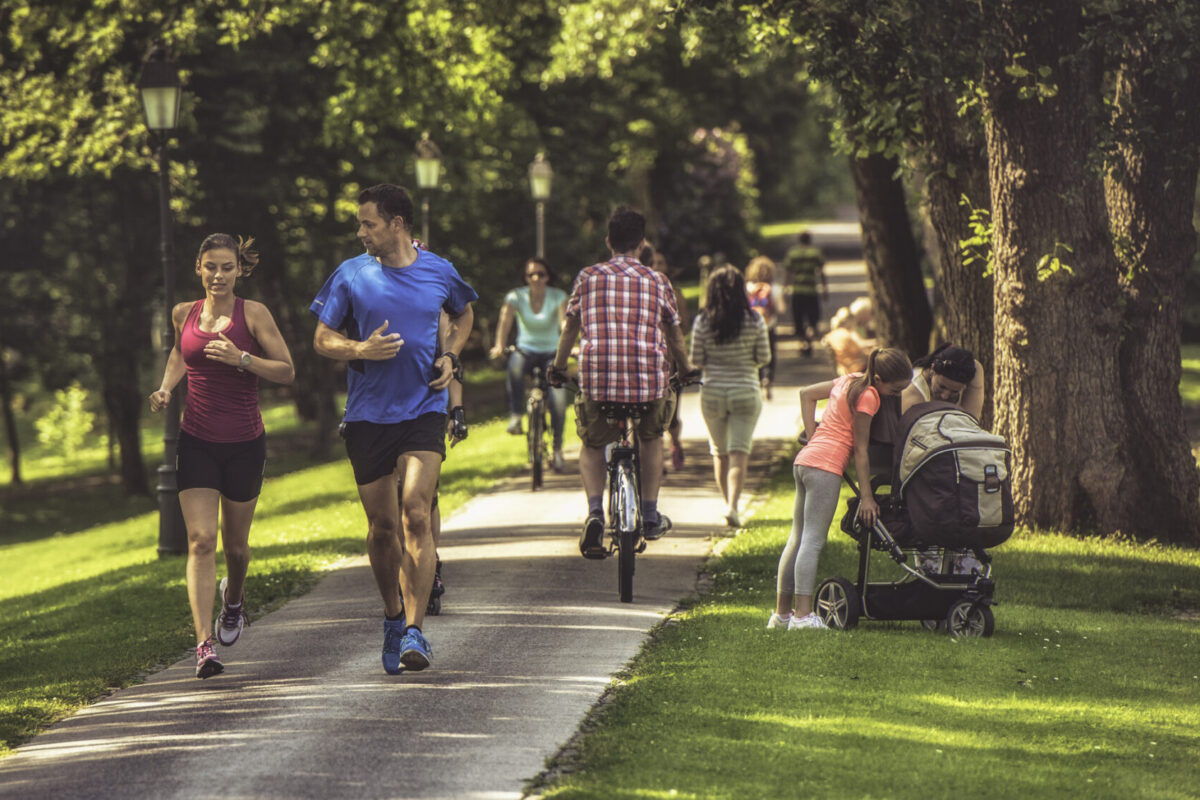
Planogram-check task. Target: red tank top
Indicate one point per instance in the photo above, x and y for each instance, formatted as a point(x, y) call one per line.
point(222, 402)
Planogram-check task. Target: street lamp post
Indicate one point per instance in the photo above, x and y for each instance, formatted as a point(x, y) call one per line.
point(540, 176)
point(429, 167)
point(160, 89)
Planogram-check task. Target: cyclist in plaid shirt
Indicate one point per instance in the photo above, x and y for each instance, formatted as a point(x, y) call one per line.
point(627, 315)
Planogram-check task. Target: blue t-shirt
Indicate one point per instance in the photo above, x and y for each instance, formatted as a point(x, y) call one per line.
point(360, 296)
point(536, 332)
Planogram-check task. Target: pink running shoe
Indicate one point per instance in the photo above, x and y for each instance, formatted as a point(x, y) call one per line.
point(207, 662)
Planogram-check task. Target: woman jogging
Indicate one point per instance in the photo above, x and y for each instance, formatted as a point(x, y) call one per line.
point(845, 429)
point(729, 343)
point(224, 344)
point(538, 308)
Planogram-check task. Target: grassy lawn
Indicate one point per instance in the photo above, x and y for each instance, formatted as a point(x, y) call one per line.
point(1089, 688)
point(89, 607)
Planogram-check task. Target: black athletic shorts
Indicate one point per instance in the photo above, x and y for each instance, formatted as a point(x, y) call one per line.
point(375, 448)
point(235, 469)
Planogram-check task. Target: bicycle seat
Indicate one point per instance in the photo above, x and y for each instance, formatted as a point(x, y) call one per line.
point(613, 410)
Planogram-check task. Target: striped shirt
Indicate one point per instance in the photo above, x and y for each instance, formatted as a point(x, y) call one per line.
point(621, 306)
point(733, 363)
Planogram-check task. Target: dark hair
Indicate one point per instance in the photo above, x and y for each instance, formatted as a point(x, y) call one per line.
point(390, 201)
point(626, 229)
point(541, 262)
point(646, 255)
point(887, 364)
point(805, 238)
point(247, 259)
point(726, 307)
point(950, 361)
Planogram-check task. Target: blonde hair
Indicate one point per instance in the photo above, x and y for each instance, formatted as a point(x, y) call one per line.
point(888, 364)
point(761, 270)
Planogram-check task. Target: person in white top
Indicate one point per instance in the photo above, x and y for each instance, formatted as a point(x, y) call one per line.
point(729, 343)
point(950, 374)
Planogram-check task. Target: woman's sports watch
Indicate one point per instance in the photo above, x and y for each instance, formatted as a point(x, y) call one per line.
point(244, 362)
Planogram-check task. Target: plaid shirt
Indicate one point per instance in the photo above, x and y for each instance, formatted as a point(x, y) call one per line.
point(621, 306)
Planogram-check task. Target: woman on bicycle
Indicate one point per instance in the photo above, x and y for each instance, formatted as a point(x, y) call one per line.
point(224, 344)
point(729, 343)
point(538, 309)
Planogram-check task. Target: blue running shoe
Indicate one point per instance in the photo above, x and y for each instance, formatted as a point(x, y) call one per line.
point(393, 641)
point(415, 652)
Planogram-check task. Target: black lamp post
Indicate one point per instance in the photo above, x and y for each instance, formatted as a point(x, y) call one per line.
point(429, 167)
point(540, 176)
point(160, 88)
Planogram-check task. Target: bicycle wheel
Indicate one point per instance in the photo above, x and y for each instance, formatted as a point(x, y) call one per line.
point(628, 523)
point(537, 442)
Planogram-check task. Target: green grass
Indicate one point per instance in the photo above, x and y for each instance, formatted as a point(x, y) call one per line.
point(1090, 687)
point(1189, 384)
point(773, 230)
point(76, 575)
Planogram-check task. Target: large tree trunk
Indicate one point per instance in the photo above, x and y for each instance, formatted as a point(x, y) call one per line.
point(1058, 398)
point(957, 168)
point(1151, 198)
point(10, 423)
point(897, 290)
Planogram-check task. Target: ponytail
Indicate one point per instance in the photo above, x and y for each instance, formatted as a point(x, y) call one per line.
point(887, 364)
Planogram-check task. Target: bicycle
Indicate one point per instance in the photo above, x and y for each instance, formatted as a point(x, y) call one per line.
point(626, 528)
point(536, 410)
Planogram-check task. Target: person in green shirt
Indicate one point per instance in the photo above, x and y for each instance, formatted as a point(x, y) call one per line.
point(805, 267)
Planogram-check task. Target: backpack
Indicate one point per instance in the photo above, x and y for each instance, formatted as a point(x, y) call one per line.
point(760, 300)
point(953, 478)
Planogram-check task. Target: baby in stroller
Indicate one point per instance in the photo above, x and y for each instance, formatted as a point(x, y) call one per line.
point(950, 500)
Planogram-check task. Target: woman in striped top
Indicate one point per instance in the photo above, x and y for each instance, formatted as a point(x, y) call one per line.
point(729, 342)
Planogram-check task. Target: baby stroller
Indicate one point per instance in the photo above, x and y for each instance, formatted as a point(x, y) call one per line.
point(950, 500)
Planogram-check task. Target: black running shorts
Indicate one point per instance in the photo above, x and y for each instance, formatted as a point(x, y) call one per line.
point(235, 469)
point(375, 448)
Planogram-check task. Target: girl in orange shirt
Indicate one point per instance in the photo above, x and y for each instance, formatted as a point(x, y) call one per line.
point(818, 471)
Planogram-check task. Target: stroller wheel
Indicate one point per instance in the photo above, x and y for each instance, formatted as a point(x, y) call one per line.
point(937, 625)
point(968, 618)
point(838, 603)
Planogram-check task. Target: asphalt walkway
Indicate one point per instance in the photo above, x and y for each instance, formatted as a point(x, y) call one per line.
point(529, 638)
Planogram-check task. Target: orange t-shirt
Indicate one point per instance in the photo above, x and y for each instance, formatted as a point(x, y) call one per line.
point(832, 444)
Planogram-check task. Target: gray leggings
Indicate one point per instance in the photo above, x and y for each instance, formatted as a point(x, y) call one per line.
point(817, 493)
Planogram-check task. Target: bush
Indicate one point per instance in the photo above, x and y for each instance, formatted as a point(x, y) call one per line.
point(63, 429)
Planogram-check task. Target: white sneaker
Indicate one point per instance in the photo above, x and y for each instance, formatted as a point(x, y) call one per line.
point(732, 519)
point(806, 622)
point(559, 464)
point(777, 623)
point(514, 425)
point(229, 623)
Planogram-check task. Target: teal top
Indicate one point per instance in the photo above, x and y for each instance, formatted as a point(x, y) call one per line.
point(536, 333)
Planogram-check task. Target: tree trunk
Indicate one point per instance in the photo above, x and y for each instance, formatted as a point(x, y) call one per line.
point(957, 168)
point(1151, 197)
point(897, 290)
point(1057, 324)
point(10, 423)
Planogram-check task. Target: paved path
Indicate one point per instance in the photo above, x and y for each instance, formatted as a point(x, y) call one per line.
point(530, 636)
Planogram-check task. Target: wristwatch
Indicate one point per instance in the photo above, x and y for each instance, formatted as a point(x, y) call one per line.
point(245, 362)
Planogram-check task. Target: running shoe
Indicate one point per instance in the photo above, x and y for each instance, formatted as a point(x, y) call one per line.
point(415, 652)
point(207, 661)
point(809, 621)
point(435, 594)
point(591, 541)
point(514, 425)
point(778, 623)
point(559, 464)
point(658, 529)
point(732, 519)
point(393, 640)
point(229, 623)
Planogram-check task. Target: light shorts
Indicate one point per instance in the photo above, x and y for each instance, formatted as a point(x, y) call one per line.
point(595, 431)
point(730, 414)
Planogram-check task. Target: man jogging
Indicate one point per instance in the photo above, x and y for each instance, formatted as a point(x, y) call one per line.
point(388, 302)
point(629, 320)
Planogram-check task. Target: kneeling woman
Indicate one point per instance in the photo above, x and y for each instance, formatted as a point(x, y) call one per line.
point(845, 428)
point(224, 344)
